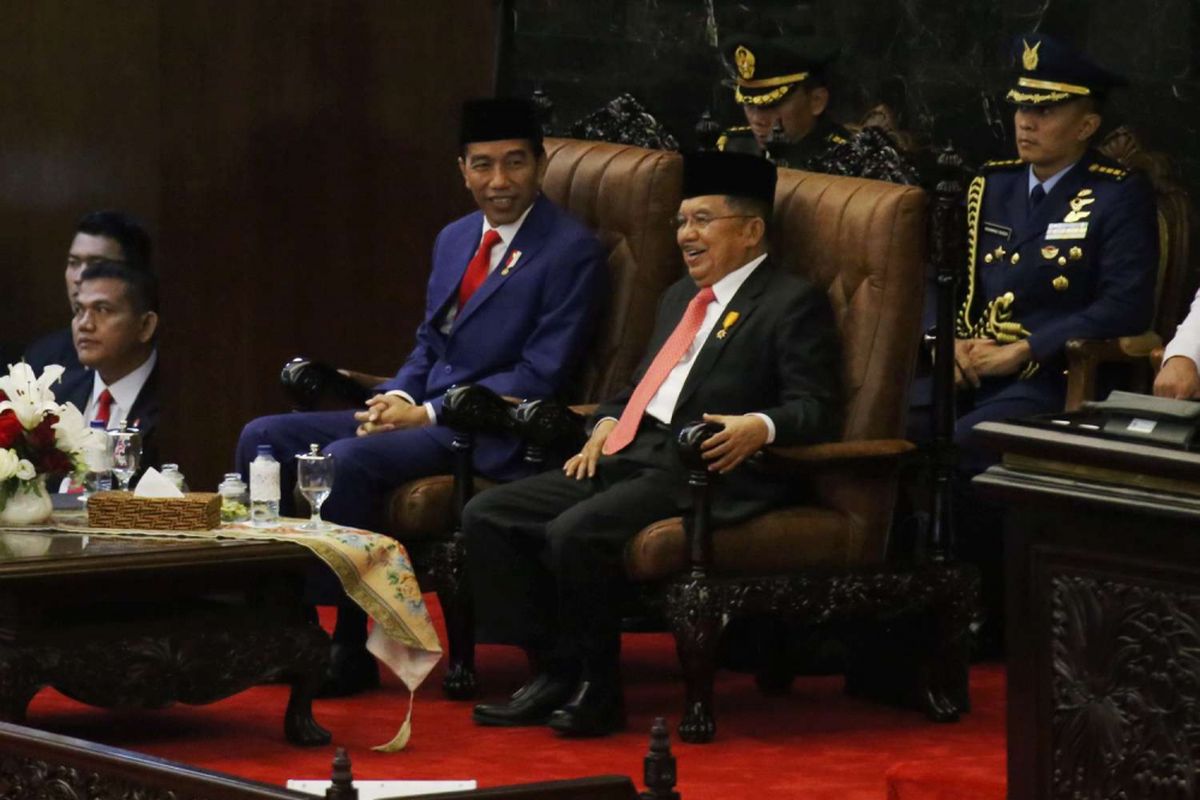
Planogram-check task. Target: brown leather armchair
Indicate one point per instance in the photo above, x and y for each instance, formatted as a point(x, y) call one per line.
point(627, 195)
point(1176, 279)
point(827, 559)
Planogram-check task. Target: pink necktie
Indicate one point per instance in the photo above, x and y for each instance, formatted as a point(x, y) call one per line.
point(477, 270)
point(673, 349)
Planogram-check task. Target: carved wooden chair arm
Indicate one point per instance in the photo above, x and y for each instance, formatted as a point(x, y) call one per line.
point(309, 383)
point(365, 379)
point(1084, 357)
point(550, 425)
point(840, 453)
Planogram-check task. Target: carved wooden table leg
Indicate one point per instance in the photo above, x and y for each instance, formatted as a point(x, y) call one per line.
point(450, 580)
point(20, 679)
point(695, 613)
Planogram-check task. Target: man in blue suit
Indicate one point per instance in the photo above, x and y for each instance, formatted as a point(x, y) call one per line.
point(1063, 244)
point(510, 305)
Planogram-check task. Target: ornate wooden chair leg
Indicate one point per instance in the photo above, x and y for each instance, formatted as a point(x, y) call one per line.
point(453, 587)
point(695, 605)
point(696, 621)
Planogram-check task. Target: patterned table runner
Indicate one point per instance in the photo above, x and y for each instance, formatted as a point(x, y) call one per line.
point(374, 570)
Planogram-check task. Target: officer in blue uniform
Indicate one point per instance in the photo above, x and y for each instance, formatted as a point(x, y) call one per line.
point(1063, 244)
point(782, 85)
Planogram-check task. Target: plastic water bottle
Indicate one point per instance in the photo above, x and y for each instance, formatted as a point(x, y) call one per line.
point(98, 477)
point(264, 489)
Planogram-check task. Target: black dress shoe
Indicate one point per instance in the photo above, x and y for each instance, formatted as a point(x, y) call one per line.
point(352, 670)
point(596, 709)
point(529, 705)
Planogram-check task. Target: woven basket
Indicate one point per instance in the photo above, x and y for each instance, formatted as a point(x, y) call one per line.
point(192, 512)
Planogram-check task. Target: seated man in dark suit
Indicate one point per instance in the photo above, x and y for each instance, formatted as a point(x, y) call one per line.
point(510, 304)
point(99, 236)
point(115, 325)
point(737, 342)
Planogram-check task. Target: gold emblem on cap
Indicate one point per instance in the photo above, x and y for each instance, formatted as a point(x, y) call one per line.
point(1029, 59)
point(745, 62)
point(1049, 252)
point(1076, 253)
point(1060, 283)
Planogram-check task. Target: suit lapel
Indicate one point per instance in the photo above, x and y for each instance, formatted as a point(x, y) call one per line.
point(742, 304)
point(79, 390)
point(459, 258)
point(145, 406)
point(523, 249)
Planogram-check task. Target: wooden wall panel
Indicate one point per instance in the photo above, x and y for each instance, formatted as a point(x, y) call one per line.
point(295, 160)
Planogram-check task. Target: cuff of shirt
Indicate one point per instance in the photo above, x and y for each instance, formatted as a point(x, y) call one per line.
point(428, 406)
point(770, 425)
point(1175, 347)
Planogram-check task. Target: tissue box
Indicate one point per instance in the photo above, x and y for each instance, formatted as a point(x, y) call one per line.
point(192, 512)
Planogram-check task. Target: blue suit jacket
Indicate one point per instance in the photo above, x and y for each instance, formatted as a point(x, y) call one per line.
point(522, 332)
point(1082, 264)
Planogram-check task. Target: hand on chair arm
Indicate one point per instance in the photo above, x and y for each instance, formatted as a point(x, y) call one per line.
point(1178, 379)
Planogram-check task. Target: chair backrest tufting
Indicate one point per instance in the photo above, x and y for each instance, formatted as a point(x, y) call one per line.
point(627, 195)
point(865, 242)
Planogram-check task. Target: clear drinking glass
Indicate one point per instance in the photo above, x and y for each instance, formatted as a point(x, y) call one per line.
point(314, 478)
point(125, 453)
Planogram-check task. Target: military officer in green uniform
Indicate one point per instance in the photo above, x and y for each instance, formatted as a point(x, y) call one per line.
point(782, 85)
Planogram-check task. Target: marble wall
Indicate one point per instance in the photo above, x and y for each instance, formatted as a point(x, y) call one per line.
point(937, 62)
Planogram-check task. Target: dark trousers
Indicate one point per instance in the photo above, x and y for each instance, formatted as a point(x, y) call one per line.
point(365, 470)
point(545, 554)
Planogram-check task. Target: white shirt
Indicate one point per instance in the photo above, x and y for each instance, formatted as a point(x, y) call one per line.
point(1050, 182)
point(1186, 341)
point(124, 393)
point(662, 404)
point(507, 233)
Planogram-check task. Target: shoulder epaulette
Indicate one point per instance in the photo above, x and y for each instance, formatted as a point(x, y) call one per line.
point(1116, 173)
point(1006, 163)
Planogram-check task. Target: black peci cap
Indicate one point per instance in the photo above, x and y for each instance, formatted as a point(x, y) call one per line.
point(733, 174)
point(763, 70)
point(493, 119)
point(1048, 72)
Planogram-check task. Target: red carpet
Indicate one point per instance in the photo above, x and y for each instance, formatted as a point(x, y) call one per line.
point(814, 743)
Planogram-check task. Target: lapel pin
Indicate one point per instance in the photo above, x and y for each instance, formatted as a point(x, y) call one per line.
point(727, 323)
point(512, 262)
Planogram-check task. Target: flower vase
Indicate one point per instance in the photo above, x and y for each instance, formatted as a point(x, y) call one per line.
point(29, 505)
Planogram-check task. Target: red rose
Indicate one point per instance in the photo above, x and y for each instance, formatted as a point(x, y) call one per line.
point(54, 462)
point(10, 429)
point(42, 437)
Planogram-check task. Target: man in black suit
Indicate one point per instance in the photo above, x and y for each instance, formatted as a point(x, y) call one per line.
point(738, 343)
point(99, 236)
point(114, 326)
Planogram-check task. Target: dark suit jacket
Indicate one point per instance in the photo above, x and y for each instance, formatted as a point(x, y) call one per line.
point(781, 357)
point(55, 348)
point(522, 331)
point(144, 414)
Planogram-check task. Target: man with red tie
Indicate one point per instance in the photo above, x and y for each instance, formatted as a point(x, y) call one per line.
point(737, 342)
point(510, 304)
point(114, 327)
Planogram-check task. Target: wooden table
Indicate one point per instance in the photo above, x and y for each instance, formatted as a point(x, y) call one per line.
point(124, 622)
point(1102, 562)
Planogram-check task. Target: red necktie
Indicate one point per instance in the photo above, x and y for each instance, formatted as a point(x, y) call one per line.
point(104, 407)
point(673, 349)
point(477, 270)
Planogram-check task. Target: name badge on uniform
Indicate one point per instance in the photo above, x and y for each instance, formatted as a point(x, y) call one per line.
point(1066, 230)
point(997, 229)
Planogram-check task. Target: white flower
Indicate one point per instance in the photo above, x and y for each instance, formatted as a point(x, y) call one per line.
point(71, 433)
point(25, 470)
point(8, 464)
point(29, 396)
